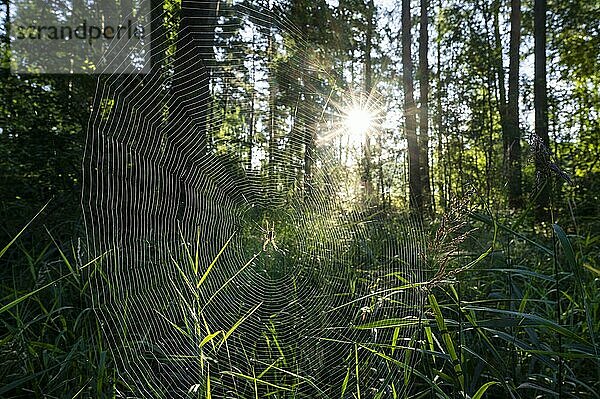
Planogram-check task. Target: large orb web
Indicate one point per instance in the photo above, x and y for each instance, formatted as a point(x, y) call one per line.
point(230, 261)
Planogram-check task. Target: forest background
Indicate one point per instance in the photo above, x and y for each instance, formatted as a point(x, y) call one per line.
point(483, 121)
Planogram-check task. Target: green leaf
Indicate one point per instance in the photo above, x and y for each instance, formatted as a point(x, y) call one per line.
point(256, 380)
point(345, 383)
point(566, 245)
point(483, 388)
point(439, 318)
point(205, 275)
point(3, 251)
point(208, 396)
point(592, 269)
point(570, 256)
point(389, 323)
point(209, 338)
point(240, 321)
point(29, 294)
point(490, 222)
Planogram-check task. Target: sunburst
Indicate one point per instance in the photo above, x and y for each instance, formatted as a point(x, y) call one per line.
point(356, 118)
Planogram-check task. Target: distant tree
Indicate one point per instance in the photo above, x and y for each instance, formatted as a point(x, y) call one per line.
point(509, 110)
point(512, 131)
point(272, 125)
point(410, 127)
point(541, 104)
point(5, 40)
point(299, 82)
point(157, 27)
point(194, 48)
point(368, 87)
point(424, 103)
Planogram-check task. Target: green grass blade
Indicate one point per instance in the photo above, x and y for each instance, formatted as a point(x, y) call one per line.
point(570, 256)
point(209, 338)
point(439, 318)
point(212, 264)
point(566, 246)
point(3, 251)
point(345, 383)
point(256, 380)
point(481, 391)
point(490, 222)
point(240, 321)
point(30, 294)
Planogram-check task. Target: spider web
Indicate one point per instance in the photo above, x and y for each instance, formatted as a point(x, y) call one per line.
point(240, 277)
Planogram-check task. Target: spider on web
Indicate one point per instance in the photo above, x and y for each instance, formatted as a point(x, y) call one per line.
point(269, 236)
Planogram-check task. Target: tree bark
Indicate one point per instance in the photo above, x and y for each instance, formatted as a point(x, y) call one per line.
point(368, 87)
point(441, 160)
point(414, 175)
point(540, 102)
point(193, 56)
point(5, 61)
point(368, 46)
point(252, 122)
point(424, 103)
point(501, 76)
point(158, 38)
point(272, 107)
point(513, 132)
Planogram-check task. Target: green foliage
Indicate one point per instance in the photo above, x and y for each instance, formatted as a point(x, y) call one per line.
point(492, 329)
point(52, 343)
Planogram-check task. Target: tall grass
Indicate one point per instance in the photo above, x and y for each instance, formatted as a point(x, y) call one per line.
point(490, 326)
point(51, 343)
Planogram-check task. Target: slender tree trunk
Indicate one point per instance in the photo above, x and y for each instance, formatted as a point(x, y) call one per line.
point(252, 123)
point(272, 107)
point(367, 179)
point(498, 62)
point(513, 149)
point(272, 126)
point(424, 103)
point(158, 39)
point(441, 163)
point(414, 175)
point(540, 101)
point(193, 56)
point(5, 61)
point(191, 99)
point(501, 77)
point(489, 96)
point(368, 46)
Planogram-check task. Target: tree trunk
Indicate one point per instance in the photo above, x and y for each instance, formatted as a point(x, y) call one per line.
point(441, 161)
point(368, 46)
point(414, 175)
point(272, 107)
point(191, 98)
point(158, 39)
point(501, 79)
point(252, 122)
point(513, 133)
point(5, 61)
point(540, 102)
point(192, 59)
point(368, 86)
point(309, 154)
point(424, 103)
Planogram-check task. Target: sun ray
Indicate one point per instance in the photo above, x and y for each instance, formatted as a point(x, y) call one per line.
point(357, 115)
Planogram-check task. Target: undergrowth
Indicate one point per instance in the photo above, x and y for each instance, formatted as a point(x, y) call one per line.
point(509, 312)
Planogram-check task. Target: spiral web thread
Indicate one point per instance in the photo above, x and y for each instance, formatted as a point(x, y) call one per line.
point(240, 278)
